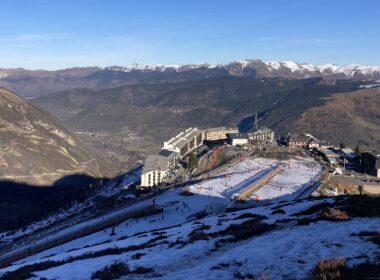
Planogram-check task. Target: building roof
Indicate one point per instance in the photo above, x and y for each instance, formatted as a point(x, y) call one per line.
point(312, 137)
point(155, 162)
point(299, 138)
point(167, 153)
point(374, 154)
point(183, 137)
point(328, 153)
point(347, 151)
point(347, 180)
point(217, 129)
point(262, 130)
point(351, 156)
point(238, 135)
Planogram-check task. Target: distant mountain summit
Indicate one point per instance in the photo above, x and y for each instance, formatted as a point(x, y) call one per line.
point(34, 83)
point(36, 149)
point(249, 67)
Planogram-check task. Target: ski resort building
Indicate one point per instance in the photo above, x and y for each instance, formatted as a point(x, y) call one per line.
point(371, 163)
point(313, 142)
point(158, 167)
point(237, 139)
point(218, 133)
point(185, 142)
point(263, 134)
point(326, 154)
point(298, 141)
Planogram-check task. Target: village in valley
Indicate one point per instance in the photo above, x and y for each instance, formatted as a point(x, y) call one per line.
point(259, 164)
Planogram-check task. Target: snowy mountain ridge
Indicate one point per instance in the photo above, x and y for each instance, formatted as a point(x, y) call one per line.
point(349, 71)
point(34, 83)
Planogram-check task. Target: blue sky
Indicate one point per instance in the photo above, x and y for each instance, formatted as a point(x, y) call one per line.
point(53, 34)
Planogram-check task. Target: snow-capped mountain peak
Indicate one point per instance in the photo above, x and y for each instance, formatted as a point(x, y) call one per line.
point(286, 69)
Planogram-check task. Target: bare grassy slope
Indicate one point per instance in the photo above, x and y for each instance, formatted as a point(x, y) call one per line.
point(349, 118)
point(35, 149)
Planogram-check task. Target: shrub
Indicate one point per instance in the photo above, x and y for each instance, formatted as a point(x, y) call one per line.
point(26, 272)
point(313, 209)
point(249, 276)
point(114, 271)
point(332, 269)
point(278, 211)
point(142, 270)
point(335, 214)
point(246, 230)
point(337, 269)
point(250, 215)
point(137, 256)
point(118, 269)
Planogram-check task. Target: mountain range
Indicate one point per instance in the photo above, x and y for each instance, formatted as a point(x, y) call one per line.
point(34, 83)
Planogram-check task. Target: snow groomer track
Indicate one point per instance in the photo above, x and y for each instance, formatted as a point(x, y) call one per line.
point(254, 185)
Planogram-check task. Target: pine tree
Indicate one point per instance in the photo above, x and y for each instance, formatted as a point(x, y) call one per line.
point(193, 161)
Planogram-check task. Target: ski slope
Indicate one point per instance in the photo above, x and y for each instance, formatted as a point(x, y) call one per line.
point(286, 252)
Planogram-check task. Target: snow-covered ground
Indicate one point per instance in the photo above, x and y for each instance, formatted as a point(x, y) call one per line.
point(212, 195)
point(298, 174)
point(163, 241)
point(108, 189)
point(286, 252)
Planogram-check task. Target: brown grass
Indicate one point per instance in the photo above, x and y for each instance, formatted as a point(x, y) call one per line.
point(337, 269)
point(332, 269)
point(335, 214)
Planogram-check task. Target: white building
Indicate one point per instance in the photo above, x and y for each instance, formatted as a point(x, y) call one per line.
point(263, 134)
point(237, 139)
point(157, 168)
point(185, 142)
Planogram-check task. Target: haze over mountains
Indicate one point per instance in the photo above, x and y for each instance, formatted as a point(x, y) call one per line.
point(34, 83)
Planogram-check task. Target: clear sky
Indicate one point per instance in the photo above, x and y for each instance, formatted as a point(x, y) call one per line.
point(53, 34)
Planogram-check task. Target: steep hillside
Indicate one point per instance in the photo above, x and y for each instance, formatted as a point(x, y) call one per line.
point(156, 112)
point(348, 118)
point(40, 82)
point(35, 149)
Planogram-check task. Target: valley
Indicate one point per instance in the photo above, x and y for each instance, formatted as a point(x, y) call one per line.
point(152, 112)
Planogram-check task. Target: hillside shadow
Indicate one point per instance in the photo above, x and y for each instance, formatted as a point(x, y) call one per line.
point(247, 123)
point(21, 203)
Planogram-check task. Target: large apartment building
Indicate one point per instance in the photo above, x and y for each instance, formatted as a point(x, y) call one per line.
point(218, 133)
point(185, 142)
point(158, 167)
